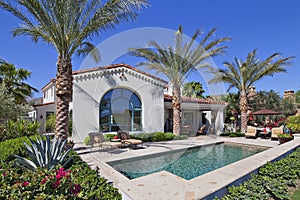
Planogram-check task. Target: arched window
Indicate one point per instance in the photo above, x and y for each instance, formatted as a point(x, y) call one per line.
point(120, 109)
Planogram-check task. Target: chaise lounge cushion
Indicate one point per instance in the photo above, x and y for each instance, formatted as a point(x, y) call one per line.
point(251, 131)
point(97, 139)
point(276, 131)
point(125, 138)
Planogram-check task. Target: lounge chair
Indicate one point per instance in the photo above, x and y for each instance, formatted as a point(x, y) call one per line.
point(276, 131)
point(97, 139)
point(202, 130)
point(125, 139)
point(251, 131)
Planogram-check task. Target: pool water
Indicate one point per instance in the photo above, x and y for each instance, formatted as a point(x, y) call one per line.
point(188, 163)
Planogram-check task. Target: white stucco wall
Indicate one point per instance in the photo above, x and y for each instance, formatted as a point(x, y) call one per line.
point(41, 115)
point(90, 86)
point(49, 94)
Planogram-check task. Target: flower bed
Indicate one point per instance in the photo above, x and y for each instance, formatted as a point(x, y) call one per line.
point(76, 181)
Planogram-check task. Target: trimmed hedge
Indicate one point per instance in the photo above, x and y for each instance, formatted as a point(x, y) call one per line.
point(271, 182)
point(157, 137)
point(233, 134)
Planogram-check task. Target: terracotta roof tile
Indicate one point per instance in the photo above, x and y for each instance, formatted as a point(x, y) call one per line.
point(43, 104)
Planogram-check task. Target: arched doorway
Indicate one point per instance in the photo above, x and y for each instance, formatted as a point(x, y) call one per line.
point(120, 109)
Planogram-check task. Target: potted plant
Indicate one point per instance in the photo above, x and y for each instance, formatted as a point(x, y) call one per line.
point(285, 137)
point(293, 123)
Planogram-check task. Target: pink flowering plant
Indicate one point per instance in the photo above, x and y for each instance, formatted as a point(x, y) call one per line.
point(57, 184)
point(61, 182)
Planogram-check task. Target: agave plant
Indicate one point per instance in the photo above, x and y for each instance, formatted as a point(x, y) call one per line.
point(44, 154)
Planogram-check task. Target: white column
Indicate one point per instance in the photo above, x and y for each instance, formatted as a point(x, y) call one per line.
point(219, 121)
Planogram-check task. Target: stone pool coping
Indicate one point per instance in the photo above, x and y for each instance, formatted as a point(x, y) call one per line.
point(164, 185)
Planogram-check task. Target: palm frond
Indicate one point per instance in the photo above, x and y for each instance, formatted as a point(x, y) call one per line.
point(86, 48)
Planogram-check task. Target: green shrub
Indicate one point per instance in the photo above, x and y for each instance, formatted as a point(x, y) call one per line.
point(13, 146)
point(169, 136)
point(108, 137)
point(159, 136)
point(180, 137)
point(153, 137)
point(225, 134)
point(233, 134)
point(236, 134)
point(87, 141)
point(271, 182)
point(145, 137)
point(19, 128)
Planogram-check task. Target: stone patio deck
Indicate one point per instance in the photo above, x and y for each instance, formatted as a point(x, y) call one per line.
point(164, 185)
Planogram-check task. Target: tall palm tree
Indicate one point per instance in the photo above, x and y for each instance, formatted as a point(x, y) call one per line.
point(14, 81)
point(68, 25)
point(178, 62)
point(243, 74)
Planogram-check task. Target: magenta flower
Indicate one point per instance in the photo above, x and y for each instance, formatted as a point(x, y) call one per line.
point(44, 180)
point(25, 184)
point(55, 184)
point(58, 176)
point(76, 189)
point(4, 174)
point(61, 173)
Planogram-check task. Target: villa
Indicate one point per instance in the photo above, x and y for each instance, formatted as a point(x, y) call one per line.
point(121, 97)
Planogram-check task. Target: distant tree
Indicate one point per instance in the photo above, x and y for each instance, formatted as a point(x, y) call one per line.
point(193, 89)
point(8, 108)
point(179, 61)
point(288, 107)
point(242, 75)
point(14, 80)
point(266, 100)
point(68, 26)
point(297, 96)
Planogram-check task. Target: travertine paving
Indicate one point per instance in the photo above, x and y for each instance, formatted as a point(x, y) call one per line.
point(164, 185)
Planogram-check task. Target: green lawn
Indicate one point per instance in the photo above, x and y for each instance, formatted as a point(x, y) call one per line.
point(296, 195)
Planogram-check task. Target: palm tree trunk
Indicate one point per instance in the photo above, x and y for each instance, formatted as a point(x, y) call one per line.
point(243, 108)
point(63, 95)
point(176, 110)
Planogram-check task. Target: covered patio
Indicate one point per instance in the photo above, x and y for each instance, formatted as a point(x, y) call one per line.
point(195, 113)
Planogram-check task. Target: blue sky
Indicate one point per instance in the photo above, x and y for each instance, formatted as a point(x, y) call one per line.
point(269, 26)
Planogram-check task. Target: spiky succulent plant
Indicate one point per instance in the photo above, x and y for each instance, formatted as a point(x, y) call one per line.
point(44, 154)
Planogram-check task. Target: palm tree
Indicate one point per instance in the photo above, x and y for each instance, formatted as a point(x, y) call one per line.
point(179, 62)
point(14, 81)
point(232, 108)
point(193, 89)
point(67, 25)
point(243, 74)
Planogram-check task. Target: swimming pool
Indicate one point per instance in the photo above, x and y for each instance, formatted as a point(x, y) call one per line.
point(186, 163)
